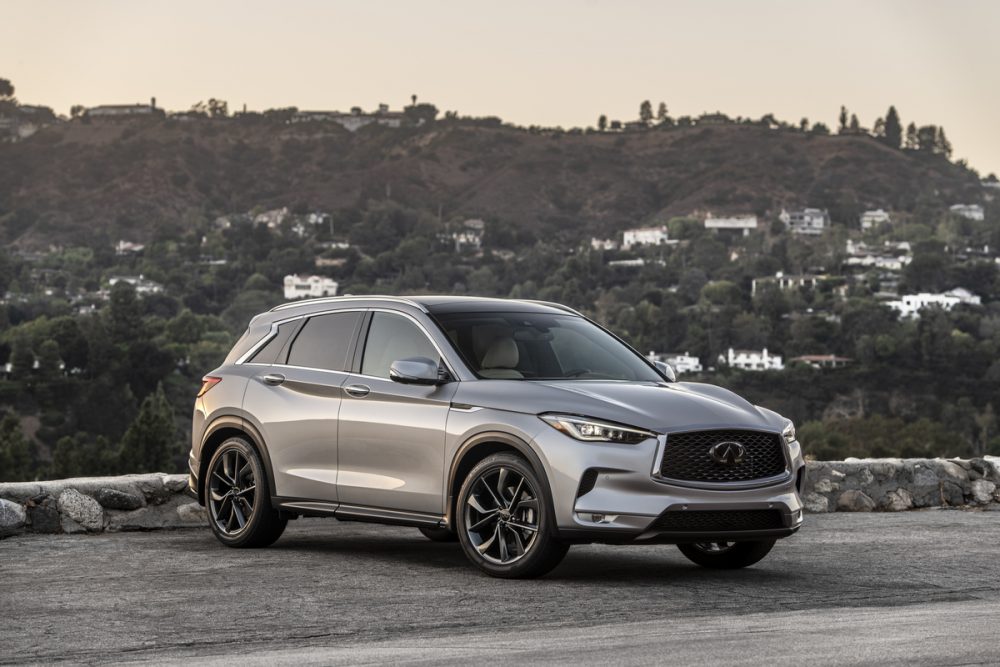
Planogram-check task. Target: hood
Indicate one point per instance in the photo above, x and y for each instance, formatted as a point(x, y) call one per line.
point(660, 407)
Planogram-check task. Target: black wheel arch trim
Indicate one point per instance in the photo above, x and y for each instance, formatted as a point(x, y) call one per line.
point(516, 443)
point(256, 441)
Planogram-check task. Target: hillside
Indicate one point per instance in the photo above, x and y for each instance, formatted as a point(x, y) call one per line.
point(128, 179)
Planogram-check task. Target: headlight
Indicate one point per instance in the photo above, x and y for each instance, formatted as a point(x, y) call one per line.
point(594, 430)
point(789, 433)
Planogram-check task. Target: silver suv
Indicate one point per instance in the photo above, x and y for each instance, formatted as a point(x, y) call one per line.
point(516, 428)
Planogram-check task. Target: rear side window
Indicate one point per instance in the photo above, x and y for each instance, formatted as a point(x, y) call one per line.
point(324, 341)
point(270, 353)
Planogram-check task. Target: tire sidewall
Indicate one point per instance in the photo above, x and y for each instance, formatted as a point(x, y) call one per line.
point(540, 550)
point(262, 503)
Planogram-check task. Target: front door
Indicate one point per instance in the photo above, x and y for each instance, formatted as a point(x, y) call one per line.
point(392, 435)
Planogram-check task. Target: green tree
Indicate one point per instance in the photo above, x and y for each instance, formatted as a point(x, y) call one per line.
point(22, 359)
point(893, 128)
point(124, 314)
point(82, 455)
point(855, 125)
point(646, 112)
point(6, 89)
point(48, 360)
point(15, 452)
point(941, 143)
point(911, 137)
point(661, 112)
point(927, 138)
point(843, 120)
point(150, 444)
point(602, 123)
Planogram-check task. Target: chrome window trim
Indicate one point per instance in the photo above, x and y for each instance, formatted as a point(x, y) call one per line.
point(347, 298)
point(661, 450)
point(274, 331)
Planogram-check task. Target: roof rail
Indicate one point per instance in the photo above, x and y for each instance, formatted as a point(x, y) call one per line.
point(336, 299)
point(553, 304)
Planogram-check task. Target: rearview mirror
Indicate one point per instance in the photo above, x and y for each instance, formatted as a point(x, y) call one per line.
point(415, 370)
point(666, 369)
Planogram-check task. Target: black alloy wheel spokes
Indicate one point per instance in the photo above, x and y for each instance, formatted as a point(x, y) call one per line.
point(232, 492)
point(501, 515)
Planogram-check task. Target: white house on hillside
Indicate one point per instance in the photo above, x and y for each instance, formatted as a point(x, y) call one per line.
point(644, 236)
point(752, 360)
point(354, 120)
point(970, 211)
point(806, 220)
point(681, 363)
point(141, 284)
point(298, 287)
point(739, 223)
point(785, 282)
point(603, 244)
point(874, 218)
point(910, 305)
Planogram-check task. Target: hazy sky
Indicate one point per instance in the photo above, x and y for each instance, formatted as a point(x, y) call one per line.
point(547, 63)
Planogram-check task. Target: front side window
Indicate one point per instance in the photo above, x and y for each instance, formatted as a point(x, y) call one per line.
point(324, 341)
point(533, 346)
point(392, 337)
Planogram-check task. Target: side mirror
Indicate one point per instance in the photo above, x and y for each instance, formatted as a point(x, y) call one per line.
point(415, 370)
point(666, 369)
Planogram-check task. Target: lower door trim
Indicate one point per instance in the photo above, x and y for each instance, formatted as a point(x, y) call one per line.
point(358, 513)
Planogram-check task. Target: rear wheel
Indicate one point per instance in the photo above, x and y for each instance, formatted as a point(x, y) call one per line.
point(237, 498)
point(726, 555)
point(504, 521)
point(439, 534)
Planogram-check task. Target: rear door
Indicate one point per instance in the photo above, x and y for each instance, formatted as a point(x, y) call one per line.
point(392, 435)
point(296, 402)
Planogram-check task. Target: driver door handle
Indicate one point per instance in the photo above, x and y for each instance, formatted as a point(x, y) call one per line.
point(358, 390)
point(273, 379)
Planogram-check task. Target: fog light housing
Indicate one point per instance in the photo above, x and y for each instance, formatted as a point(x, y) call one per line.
point(593, 517)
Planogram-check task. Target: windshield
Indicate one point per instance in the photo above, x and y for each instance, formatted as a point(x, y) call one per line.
point(532, 346)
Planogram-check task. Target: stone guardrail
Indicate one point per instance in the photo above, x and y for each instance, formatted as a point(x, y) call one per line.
point(157, 501)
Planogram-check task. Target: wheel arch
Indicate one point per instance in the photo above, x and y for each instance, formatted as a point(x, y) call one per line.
point(480, 446)
point(221, 429)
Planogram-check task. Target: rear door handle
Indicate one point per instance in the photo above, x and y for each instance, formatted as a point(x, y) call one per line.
point(273, 378)
point(357, 390)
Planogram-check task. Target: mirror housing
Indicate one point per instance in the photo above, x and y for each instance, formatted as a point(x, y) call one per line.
point(415, 370)
point(666, 369)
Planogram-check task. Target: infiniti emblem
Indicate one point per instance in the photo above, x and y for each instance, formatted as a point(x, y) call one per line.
point(728, 453)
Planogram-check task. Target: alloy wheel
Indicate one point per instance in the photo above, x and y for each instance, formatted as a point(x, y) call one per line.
point(501, 515)
point(232, 492)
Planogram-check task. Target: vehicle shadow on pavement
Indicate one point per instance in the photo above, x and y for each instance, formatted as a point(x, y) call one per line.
point(583, 563)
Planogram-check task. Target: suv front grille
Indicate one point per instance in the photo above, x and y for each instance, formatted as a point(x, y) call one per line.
point(688, 457)
point(717, 521)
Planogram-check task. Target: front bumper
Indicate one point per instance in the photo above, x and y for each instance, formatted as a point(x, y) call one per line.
point(605, 492)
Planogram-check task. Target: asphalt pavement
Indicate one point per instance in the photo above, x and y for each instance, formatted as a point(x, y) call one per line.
point(907, 588)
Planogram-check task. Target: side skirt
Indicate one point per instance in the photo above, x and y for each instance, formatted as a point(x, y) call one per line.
point(342, 512)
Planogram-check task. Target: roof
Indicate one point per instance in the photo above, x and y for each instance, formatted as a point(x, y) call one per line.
point(430, 304)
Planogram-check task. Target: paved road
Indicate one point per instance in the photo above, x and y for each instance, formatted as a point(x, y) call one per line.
point(912, 588)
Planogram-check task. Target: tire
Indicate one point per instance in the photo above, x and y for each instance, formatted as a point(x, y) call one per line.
point(439, 534)
point(504, 519)
point(237, 498)
point(726, 555)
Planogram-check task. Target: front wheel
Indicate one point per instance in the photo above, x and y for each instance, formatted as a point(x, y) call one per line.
point(726, 555)
point(504, 521)
point(237, 498)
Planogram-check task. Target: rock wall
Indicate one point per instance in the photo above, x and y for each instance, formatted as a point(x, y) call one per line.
point(95, 504)
point(157, 501)
point(893, 485)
